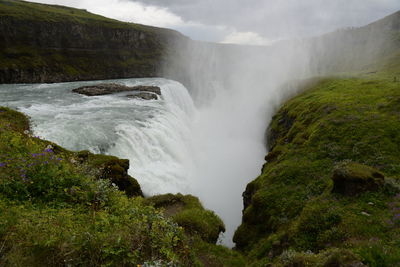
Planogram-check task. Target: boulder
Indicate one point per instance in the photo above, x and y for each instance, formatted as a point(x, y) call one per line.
point(351, 179)
point(111, 88)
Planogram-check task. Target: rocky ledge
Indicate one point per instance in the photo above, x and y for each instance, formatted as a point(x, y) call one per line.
point(144, 91)
point(144, 96)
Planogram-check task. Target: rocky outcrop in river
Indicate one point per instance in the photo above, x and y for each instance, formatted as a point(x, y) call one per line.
point(142, 91)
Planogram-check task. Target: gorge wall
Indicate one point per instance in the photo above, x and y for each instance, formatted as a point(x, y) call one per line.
point(48, 43)
point(44, 43)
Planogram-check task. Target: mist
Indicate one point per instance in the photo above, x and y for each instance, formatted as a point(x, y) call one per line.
point(237, 89)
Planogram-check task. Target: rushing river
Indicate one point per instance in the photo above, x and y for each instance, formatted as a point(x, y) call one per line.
point(172, 146)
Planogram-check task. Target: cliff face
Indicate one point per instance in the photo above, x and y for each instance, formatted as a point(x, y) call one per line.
point(41, 43)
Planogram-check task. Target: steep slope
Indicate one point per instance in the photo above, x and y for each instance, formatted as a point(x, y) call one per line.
point(355, 49)
point(48, 43)
point(321, 199)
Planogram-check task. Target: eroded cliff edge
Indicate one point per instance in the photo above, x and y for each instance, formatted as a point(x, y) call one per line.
point(47, 43)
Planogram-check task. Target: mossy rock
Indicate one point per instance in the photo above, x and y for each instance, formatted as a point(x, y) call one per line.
point(351, 179)
point(188, 212)
point(113, 169)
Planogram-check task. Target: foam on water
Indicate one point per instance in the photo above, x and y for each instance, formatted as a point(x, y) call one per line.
point(153, 135)
point(172, 146)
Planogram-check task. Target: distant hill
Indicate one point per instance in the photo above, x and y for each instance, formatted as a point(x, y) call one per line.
point(357, 48)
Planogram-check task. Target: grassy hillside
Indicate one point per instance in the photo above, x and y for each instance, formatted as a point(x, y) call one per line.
point(339, 127)
point(63, 208)
point(49, 43)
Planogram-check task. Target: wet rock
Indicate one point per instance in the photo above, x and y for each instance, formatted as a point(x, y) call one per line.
point(111, 88)
point(144, 96)
point(352, 179)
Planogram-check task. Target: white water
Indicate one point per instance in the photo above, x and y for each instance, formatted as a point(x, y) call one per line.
point(154, 135)
point(172, 146)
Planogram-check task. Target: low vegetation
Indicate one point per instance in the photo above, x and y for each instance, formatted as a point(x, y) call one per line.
point(64, 208)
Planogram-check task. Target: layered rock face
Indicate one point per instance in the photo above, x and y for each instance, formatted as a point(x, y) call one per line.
point(54, 44)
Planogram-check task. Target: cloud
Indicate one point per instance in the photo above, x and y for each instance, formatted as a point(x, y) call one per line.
point(248, 38)
point(280, 19)
point(125, 11)
point(238, 20)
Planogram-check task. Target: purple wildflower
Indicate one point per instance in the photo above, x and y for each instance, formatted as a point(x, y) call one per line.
point(2, 164)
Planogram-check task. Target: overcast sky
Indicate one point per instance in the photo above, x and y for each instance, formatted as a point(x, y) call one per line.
point(241, 21)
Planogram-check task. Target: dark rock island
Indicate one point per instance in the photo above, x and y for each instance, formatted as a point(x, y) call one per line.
point(141, 91)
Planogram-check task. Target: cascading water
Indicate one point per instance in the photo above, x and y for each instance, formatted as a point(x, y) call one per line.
point(236, 90)
point(211, 151)
point(154, 135)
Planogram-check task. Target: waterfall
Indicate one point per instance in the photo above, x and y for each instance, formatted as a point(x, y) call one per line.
point(206, 139)
point(154, 135)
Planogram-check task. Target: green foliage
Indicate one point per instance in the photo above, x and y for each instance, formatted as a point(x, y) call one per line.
point(331, 257)
point(126, 234)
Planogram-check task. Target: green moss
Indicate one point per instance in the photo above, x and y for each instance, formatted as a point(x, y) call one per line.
point(187, 211)
point(338, 121)
point(212, 255)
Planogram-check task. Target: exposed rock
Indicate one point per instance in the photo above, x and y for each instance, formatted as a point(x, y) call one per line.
point(144, 95)
point(351, 179)
point(274, 132)
point(247, 195)
point(113, 169)
point(111, 88)
point(76, 45)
